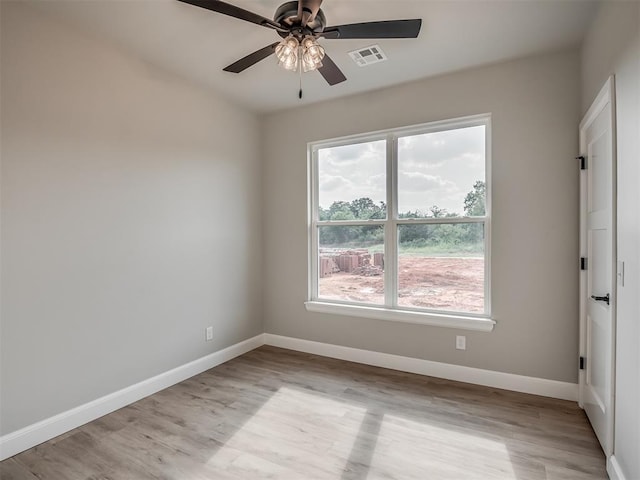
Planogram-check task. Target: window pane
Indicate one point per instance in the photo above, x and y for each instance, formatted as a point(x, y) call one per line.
point(442, 174)
point(441, 267)
point(351, 263)
point(352, 181)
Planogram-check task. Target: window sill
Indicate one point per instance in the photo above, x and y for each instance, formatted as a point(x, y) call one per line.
point(481, 324)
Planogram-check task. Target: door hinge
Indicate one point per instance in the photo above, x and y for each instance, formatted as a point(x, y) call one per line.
point(583, 363)
point(583, 263)
point(583, 162)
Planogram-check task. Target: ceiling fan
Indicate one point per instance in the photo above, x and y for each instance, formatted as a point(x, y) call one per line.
point(300, 24)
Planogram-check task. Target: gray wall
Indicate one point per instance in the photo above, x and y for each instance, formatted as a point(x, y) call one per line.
point(535, 108)
point(130, 219)
point(612, 46)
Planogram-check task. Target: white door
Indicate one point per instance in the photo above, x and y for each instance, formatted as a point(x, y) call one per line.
point(597, 285)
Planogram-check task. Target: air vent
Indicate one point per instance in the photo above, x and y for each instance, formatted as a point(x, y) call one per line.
point(368, 55)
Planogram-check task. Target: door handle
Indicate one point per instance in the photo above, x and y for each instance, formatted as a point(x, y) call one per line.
point(601, 299)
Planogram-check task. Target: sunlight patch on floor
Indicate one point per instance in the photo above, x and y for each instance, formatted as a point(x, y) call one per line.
point(420, 447)
point(292, 432)
point(298, 432)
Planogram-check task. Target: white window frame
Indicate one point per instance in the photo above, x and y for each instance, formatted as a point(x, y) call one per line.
point(391, 311)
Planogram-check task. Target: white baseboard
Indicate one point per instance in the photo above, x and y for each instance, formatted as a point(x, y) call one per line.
point(613, 469)
point(49, 428)
point(490, 378)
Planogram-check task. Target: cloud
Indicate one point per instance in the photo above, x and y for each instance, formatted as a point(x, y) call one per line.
point(378, 181)
point(330, 183)
point(420, 182)
point(352, 171)
point(361, 155)
point(419, 191)
point(433, 150)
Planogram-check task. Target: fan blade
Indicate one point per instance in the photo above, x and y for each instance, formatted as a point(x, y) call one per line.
point(383, 29)
point(251, 59)
point(331, 35)
point(330, 71)
point(307, 10)
point(233, 11)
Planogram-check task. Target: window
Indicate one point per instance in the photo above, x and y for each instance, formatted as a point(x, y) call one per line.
point(399, 224)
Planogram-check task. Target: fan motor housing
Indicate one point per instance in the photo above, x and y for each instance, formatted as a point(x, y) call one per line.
point(287, 15)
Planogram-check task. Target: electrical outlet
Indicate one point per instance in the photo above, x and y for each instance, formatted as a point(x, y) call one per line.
point(209, 334)
point(461, 342)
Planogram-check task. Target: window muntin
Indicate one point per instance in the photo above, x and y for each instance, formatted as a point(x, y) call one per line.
point(399, 219)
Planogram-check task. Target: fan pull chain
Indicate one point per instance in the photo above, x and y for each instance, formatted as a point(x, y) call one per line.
point(300, 92)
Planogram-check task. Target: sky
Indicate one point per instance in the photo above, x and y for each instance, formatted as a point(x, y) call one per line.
point(437, 168)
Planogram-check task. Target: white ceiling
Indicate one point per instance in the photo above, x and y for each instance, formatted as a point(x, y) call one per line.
point(456, 34)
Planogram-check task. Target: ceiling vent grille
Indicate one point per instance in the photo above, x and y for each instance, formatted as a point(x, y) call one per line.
point(368, 55)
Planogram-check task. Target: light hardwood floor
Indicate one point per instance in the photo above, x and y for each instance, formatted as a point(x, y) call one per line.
point(275, 413)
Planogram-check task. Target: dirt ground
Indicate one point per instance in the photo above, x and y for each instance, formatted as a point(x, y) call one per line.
point(441, 283)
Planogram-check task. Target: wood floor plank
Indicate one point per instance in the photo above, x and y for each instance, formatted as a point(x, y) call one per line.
point(275, 413)
point(11, 469)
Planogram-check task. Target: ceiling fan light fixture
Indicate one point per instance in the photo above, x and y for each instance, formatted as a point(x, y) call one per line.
point(293, 54)
point(287, 53)
point(312, 54)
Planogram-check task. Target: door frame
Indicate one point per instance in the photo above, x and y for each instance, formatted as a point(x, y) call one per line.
point(606, 95)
